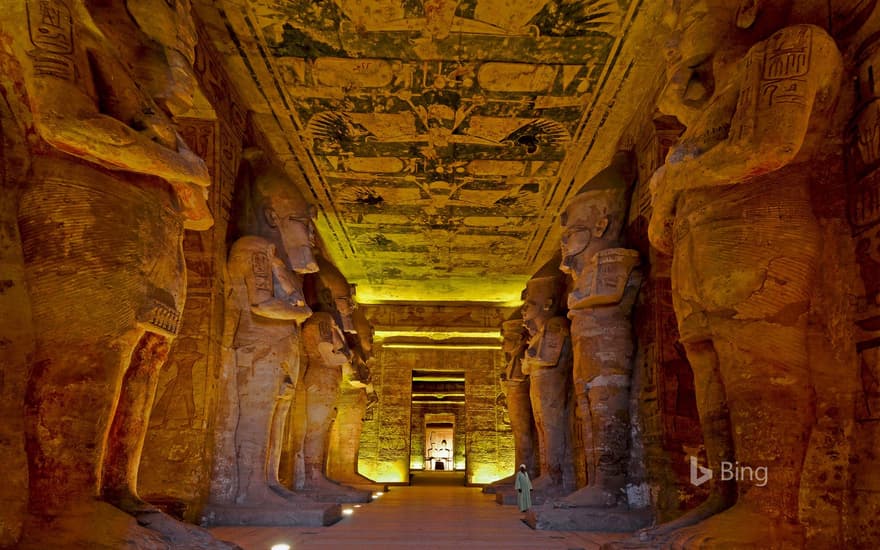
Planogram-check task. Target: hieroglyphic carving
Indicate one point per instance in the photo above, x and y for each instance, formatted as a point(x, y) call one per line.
point(50, 26)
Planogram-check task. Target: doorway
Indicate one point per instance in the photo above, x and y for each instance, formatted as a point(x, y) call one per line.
point(439, 439)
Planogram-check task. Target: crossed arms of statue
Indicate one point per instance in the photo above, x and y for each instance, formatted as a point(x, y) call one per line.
point(86, 104)
point(757, 124)
point(273, 290)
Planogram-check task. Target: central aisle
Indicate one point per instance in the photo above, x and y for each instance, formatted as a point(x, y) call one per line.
point(435, 512)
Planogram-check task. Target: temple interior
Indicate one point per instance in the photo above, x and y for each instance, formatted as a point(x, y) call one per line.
point(613, 266)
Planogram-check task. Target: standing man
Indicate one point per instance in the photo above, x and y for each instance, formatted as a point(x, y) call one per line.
point(523, 489)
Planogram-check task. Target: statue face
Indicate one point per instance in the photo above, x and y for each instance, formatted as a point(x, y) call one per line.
point(700, 29)
point(537, 304)
point(345, 306)
point(575, 240)
point(512, 339)
point(167, 72)
point(297, 236)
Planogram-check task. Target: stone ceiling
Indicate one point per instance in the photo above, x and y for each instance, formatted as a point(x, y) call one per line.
point(439, 138)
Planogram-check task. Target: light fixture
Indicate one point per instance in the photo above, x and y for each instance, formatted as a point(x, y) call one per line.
point(281, 546)
point(347, 511)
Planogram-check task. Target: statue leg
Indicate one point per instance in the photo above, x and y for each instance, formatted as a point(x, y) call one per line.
point(553, 396)
point(717, 438)
point(522, 423)
point(540, 421)
point(765, 374)
point(602, 382)
point(128, 429)
point(322, 390)
point(342, 464)
point(257, 386)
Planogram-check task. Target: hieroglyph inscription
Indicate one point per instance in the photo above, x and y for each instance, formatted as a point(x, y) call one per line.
point(50, 27)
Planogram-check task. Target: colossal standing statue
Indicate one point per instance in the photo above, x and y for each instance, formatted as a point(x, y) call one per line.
point(548, 362)
point(265, 306)
point(328, 355)
point(733, 204)
point(111, 189)
point(599, 306)
point(515, 386)
point(357, 396)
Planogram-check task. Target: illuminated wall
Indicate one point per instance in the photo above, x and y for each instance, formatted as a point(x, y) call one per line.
point(483, 441)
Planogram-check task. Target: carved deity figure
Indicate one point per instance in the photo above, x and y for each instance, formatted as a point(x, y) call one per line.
point(732, 203)
point(357, 396)
point(266, 306)
point(515, 386)
point(101, 220)
point(547, 362)
point(328, 357)
point(599, 306)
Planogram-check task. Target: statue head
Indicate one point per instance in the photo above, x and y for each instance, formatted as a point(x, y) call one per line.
point(512, 333)
point(542, 296)
point(335, 294)
point(365, 332)
point(158, 38)
point(170, 24)
point(595, 217)
point(274, 208)
point(707, 35)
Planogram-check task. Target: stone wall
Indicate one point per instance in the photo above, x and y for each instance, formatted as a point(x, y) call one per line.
point(483, 440)
point(384, 454)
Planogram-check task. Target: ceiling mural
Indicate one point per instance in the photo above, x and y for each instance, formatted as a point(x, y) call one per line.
point(435, 134)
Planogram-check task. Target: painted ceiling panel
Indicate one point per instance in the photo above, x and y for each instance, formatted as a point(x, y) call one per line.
point(439, 136)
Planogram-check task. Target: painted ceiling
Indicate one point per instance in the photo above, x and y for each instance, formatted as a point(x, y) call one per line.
point(439, 138)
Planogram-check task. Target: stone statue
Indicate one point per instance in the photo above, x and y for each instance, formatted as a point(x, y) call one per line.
point(328, 356)
point(733, 203)
point(101, 220)
point(515, 386)
point(548, 362)
point(266, 305)
point(599, 306)
point(357, 396)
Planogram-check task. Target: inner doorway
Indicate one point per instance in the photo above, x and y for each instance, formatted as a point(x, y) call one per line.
point(439, 439)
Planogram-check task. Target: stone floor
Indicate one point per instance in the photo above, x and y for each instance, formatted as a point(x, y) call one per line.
point(436, 511)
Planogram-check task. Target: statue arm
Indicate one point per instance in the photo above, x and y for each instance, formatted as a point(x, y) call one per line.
point(260, 279)
point(69, 118)
point(772, 117)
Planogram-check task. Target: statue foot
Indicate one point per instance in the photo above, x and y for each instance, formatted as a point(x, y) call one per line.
point(589, 497)
point(715, 504)
point(733, 529)
point(128, 501)
point(180, 534)
point(738, 527)
point(288, 495)
point(321, 488)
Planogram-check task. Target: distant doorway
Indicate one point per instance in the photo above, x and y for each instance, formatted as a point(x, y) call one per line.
point(439, 439)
